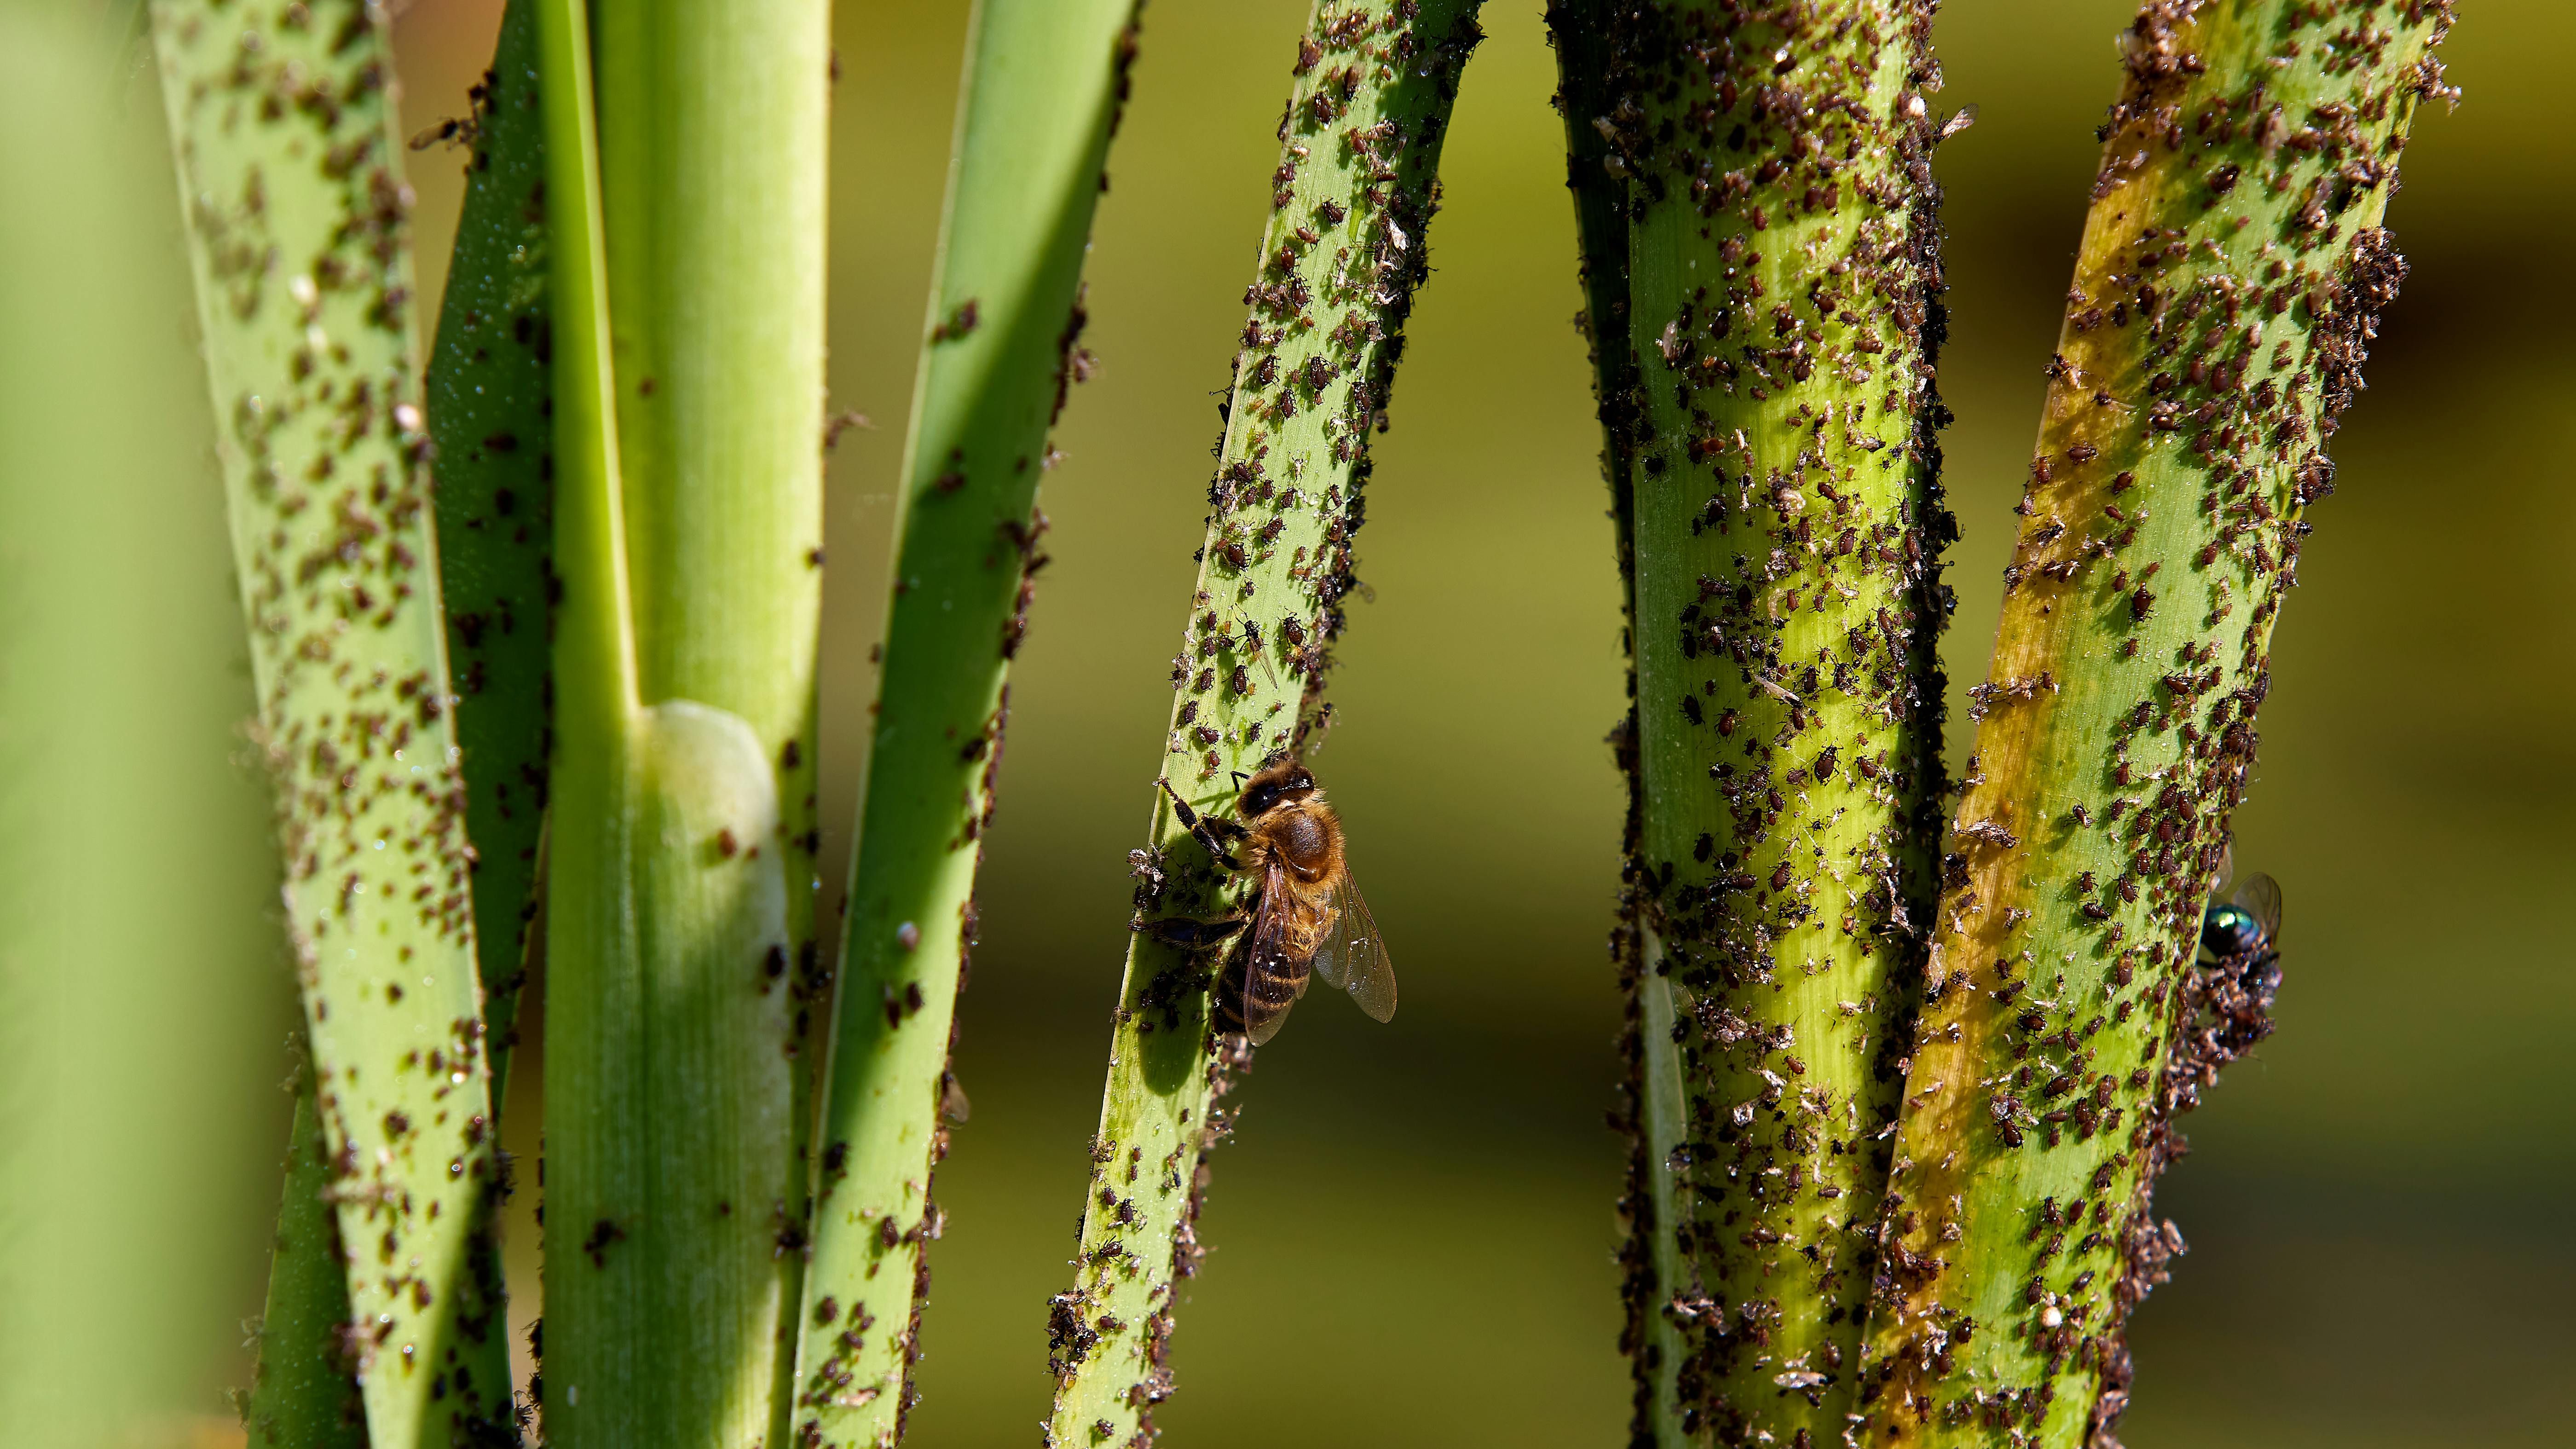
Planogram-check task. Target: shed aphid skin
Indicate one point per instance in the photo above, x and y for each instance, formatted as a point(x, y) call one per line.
point(2231, 274)
point(1346, 244)
point(1773, 321)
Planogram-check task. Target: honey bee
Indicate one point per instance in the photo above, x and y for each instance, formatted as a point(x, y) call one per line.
point(1306, 918)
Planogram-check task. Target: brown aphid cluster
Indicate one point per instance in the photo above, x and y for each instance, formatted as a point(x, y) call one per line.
point(305, 305)
point(1775, 413)
point(1343, 251)
point(2230, 278)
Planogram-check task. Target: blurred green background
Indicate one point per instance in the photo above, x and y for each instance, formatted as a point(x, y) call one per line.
point(1413, 1228)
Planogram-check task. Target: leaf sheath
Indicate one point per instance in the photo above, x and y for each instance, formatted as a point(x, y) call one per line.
point(685, 211)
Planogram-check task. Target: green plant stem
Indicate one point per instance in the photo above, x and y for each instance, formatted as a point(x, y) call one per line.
point(1043, 86)
point(490, 395)
point(1340, 259)
point(2231, 272)
point(680, 892)
point(1783, 287)
point(289, 176)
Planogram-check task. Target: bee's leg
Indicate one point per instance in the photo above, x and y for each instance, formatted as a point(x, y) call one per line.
point(1187, 934)
point(1209, 831)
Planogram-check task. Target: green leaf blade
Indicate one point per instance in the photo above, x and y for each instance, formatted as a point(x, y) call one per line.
point(1042, 91)
point(1344, 249)
point(2229, 279)
point(289, 176)
point(490, 388)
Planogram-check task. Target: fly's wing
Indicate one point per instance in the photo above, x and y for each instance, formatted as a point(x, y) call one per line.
point(1267, 954)
point(1353, 957)
point(2261, 898)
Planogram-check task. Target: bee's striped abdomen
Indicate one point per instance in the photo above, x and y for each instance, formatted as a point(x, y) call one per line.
point(1257, 989)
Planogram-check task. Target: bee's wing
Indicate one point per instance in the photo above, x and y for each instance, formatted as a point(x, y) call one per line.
point(1267, 950)
point(2261, 897)
point(1353, 956)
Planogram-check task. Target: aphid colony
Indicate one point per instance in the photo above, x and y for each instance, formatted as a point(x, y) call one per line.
point(2230, 277)
point(1352, 200)
point(1780, 321)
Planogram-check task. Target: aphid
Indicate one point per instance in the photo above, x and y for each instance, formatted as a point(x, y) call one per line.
point(1307, 917)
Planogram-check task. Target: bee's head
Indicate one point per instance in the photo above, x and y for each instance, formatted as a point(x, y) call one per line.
point(1279, 783)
